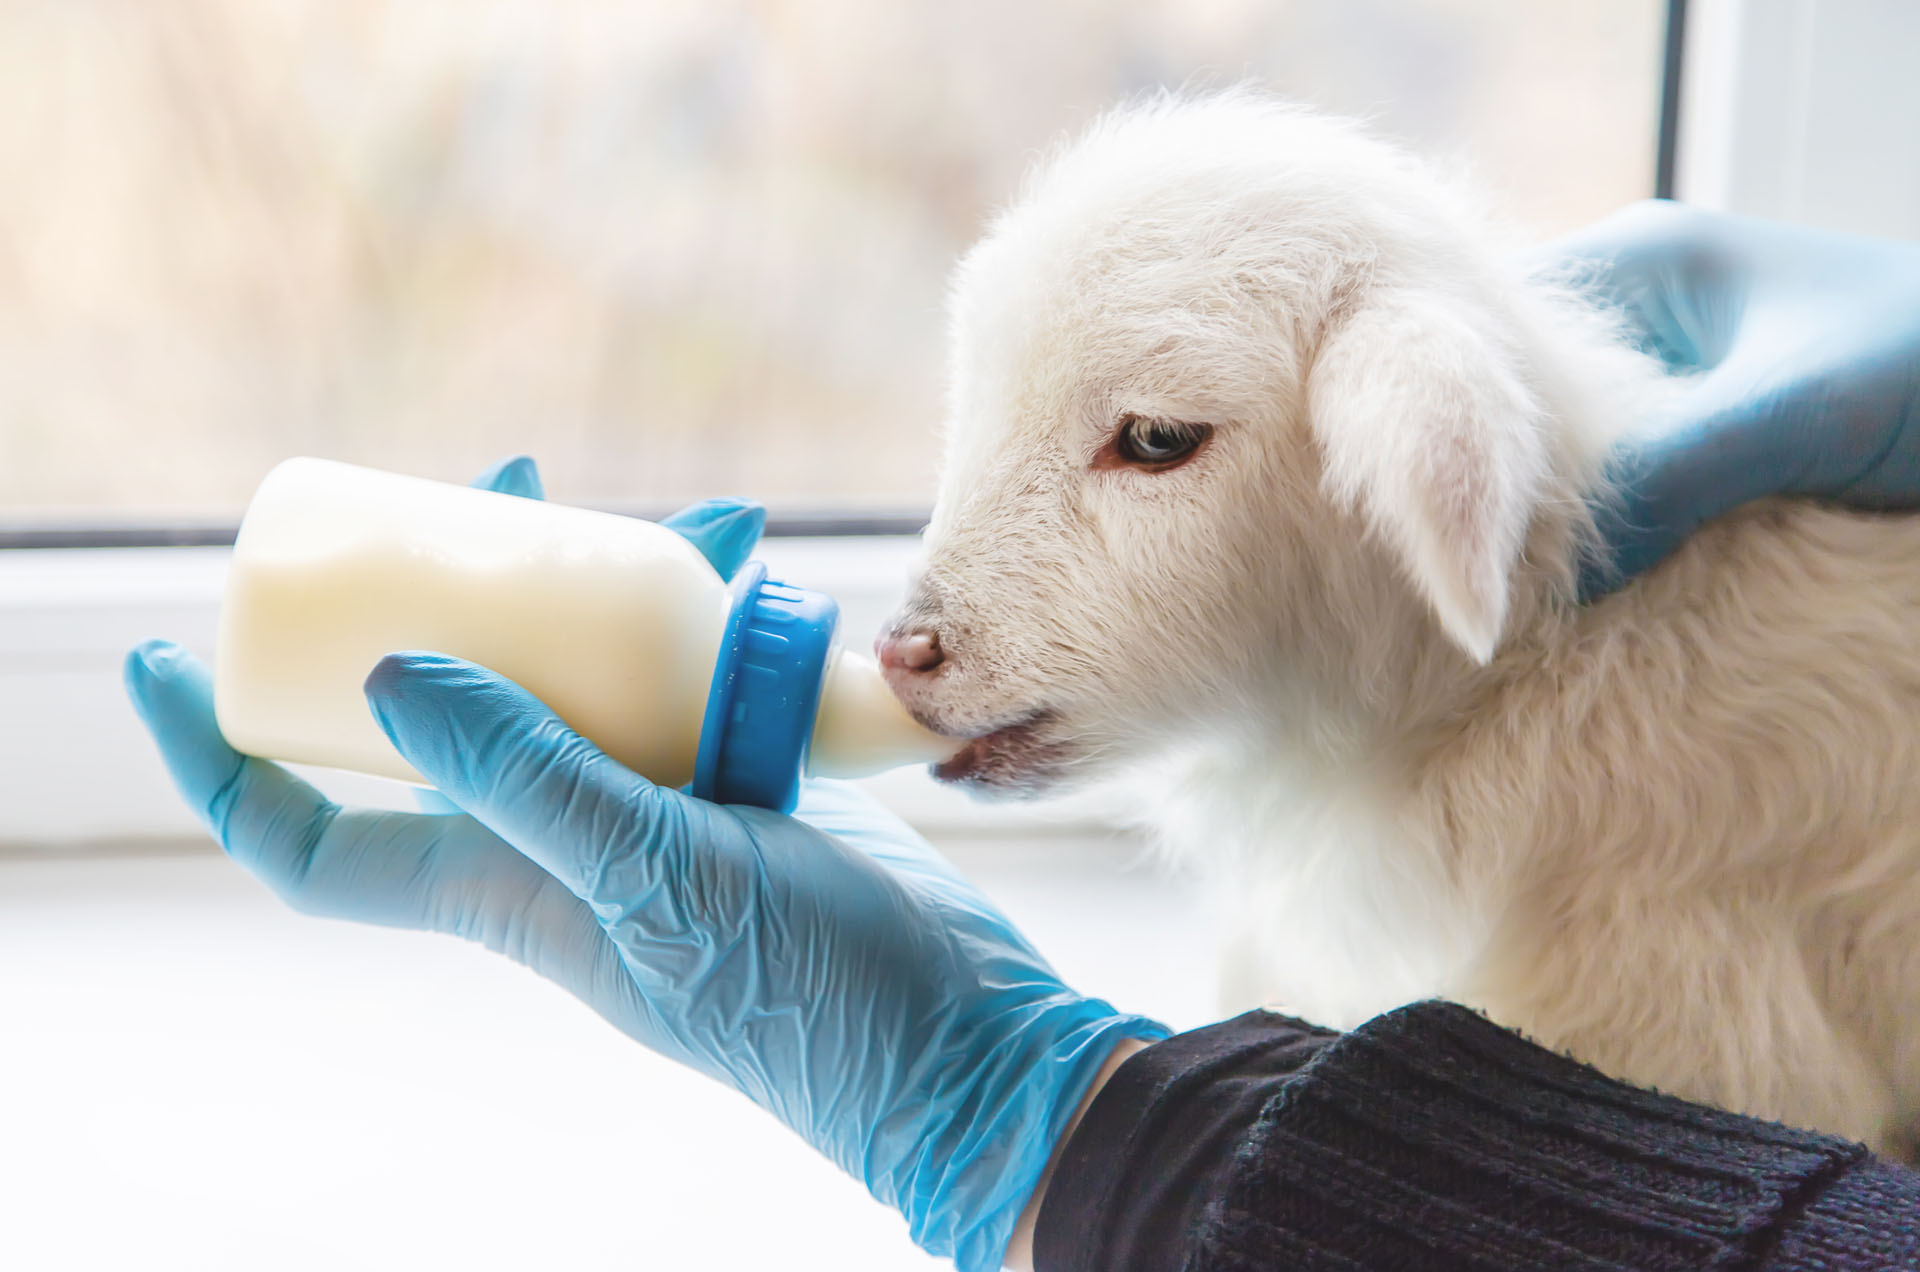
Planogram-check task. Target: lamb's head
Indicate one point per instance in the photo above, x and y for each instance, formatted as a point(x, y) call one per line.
point(1247, 419)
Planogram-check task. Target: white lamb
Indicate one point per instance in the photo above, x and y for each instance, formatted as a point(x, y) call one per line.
point(1267, 481)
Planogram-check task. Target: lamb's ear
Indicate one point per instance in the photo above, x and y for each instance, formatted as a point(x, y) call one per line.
point(1425, 428)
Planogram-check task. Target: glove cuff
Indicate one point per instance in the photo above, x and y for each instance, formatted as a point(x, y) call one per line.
point(989, 1142)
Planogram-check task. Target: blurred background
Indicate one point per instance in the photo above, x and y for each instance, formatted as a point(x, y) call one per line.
point(673, 247)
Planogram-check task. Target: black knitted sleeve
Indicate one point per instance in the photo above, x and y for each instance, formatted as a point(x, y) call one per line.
point(1431, 1139)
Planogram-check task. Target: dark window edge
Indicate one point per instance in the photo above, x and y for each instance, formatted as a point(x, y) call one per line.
point(800, 524)
point(1676, 44)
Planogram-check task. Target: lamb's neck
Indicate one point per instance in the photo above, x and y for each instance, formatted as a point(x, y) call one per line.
point(1393, 713)
point(1387, 712)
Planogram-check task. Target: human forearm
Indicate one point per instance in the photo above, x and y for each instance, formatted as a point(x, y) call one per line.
point(1020, 1252)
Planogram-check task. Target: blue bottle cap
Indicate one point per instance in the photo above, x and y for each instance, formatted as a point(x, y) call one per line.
point(765, 692)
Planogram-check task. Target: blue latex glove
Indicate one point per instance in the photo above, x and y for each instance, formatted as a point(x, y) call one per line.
point(829, 965)
point(1807, 346)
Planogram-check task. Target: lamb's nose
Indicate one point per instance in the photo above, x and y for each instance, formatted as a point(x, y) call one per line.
point(911, 651)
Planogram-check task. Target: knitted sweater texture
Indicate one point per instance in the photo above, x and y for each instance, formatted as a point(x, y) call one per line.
point(1429, 1138)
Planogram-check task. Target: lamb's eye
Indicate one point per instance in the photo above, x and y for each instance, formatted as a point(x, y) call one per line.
point(1158, 444)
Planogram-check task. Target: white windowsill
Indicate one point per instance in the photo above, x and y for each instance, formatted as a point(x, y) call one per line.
point(77, 770)
point(198, 1079)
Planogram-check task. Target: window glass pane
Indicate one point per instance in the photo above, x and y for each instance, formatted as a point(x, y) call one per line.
point(673, 247)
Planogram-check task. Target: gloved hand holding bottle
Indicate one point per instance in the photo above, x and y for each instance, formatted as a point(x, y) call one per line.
point(831, 966)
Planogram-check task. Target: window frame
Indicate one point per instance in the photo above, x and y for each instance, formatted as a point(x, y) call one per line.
point(1800, 111)
point(795, 523)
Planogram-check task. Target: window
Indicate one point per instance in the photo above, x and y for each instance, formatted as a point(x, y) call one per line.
point(674, 248)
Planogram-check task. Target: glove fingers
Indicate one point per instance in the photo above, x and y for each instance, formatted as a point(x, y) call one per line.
point(1724, 448)
point(173, 694)
point(403, 870)
point(518, 475)
point(726, 531)
point(1667, 269)
point(1835, 422)
point(504, 757)
point(266, 818)
point(275, 825)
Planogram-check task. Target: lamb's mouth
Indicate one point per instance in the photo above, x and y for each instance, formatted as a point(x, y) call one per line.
point(1019, 755)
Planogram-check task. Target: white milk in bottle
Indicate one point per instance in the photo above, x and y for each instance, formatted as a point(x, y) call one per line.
point(619, 625)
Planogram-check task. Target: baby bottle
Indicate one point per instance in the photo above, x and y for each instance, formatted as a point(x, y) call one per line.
point(619, 625)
